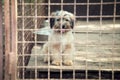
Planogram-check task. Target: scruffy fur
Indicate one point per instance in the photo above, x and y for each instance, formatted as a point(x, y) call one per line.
point(60, 47)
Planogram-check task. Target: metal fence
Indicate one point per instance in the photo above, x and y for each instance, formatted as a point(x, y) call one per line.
point(96, 38)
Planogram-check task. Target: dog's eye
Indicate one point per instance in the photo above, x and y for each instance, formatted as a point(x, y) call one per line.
point(58, 19)
point(66, 20)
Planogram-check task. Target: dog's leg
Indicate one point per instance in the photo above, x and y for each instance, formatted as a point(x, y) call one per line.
point(56, 59)
point(55, 54)
point(68, 55)
point(45, 52)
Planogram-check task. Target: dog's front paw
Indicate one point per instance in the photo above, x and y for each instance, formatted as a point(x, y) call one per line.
point(68, 62)
point(45, 59)
point(57, 63)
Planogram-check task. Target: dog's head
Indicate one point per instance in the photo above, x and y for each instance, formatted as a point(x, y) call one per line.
point(62, 21)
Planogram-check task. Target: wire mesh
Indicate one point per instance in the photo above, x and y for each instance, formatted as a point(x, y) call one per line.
point(96, 38)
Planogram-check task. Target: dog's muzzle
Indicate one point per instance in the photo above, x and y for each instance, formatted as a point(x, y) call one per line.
point(63, 26)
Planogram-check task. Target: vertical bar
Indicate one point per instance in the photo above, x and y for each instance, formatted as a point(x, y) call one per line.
point(1, 43)
point(7, 36)
point(48, 54)
point(61, 5)
point(74, 40)
point(14, 37)
point(113, 41)
point(35, 3)
point(101, 8)
point(61, 47)
point(23, 42)
point(86, 64)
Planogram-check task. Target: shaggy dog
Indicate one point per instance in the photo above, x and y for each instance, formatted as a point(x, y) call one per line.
point(60, 47)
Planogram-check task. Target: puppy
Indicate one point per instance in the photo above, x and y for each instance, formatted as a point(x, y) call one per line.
point(60, 47)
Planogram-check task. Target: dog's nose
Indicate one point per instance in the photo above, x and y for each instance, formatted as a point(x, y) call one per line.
point(63, 26)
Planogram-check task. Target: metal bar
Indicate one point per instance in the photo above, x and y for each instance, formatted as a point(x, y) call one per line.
point(7, 36)
point(23, 39)
point(97, 16)
point(49, 10)
point(61, 47)
point(35, 4)
point(101, 8)
point(1, 43)
point(113, 41)
point(14, 36)
point(74, 39)
point(86, 63)
point(97, 3)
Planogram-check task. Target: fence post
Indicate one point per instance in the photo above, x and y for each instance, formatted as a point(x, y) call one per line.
point(7, 37)
point(14, 38)
point(1, 43)
point(10, 39)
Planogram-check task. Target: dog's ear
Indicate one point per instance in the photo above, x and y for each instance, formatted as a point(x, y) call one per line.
point(52, 21)
point(72, 21)
point(72, 24)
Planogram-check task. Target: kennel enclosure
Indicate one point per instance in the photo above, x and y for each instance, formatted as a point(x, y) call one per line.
point(96, 33)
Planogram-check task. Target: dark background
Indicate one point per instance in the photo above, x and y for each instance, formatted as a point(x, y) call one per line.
point(94, 9)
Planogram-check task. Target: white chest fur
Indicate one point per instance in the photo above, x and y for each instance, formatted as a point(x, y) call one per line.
point(61, 38)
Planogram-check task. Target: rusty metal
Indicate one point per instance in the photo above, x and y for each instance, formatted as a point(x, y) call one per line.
point(10, 39)
point(1, 43)
point(7, 36)
point(13, 38)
